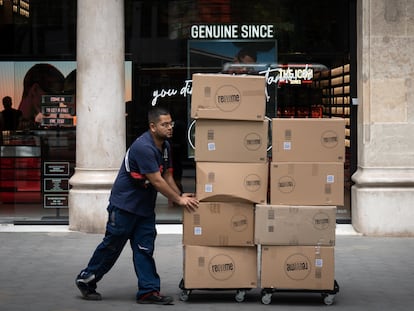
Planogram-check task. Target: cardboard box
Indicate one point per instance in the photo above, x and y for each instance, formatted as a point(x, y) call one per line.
point(295, 225)
point(306, 183)
point(231, 141)
point(231, 97)
point(219, 224)
point(226, 182)
point(308, 140)
point(298, 267)
point(208, 267)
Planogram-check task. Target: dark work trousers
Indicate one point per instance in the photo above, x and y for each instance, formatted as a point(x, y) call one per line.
point(121, 227)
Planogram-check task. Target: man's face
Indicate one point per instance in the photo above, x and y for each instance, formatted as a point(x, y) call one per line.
point(163, 129)
point(246, 59)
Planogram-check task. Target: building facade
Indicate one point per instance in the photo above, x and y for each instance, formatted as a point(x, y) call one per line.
point(131, 55)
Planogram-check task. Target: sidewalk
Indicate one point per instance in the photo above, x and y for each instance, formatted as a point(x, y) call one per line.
point(38, 271)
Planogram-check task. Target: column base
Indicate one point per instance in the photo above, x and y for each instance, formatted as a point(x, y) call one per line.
point(87, 211)
point(88, 199)
point(383, 211)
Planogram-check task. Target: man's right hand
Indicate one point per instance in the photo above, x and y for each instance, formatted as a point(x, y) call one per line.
point(188, 201)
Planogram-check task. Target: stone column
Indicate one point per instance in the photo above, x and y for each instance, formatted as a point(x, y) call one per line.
point(100, 92)
point(383, 196)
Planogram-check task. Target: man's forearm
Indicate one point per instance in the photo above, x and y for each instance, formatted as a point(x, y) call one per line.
point(164, 188)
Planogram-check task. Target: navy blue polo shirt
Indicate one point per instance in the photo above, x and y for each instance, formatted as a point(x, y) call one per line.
point(131, 191)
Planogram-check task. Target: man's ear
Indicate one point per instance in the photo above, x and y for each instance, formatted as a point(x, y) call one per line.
point(152, 126)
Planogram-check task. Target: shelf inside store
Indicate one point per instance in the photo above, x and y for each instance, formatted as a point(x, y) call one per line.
point(20, 164)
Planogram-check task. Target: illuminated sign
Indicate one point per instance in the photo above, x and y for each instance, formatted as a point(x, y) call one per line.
point(57, 121)
point(185, 90)
point(48, 110)
point(56, 184)
point(57, 99)
point(56, 169)
point(55, 112)
point(232, 32)
point(288, 75)
point(281, 74)
point(56, 201)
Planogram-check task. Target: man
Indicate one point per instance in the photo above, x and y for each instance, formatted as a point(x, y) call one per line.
point(242, 62)
point(11, 116)
point(146, 169)
point(246, 56)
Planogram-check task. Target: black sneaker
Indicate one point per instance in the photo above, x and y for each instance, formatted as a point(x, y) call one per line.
point(87, 290)
point(155, 298)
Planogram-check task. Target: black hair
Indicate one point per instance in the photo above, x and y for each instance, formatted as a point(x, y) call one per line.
point(246, 52)
point(155, 112)
point(47, 76)
point(7, 102)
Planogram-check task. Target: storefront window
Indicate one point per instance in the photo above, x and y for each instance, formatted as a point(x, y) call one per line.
point(37, 154)
point(300, 42)
point(307, 45)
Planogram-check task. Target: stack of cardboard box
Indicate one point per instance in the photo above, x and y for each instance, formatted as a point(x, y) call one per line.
point(231, 138)
point(296, 230)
